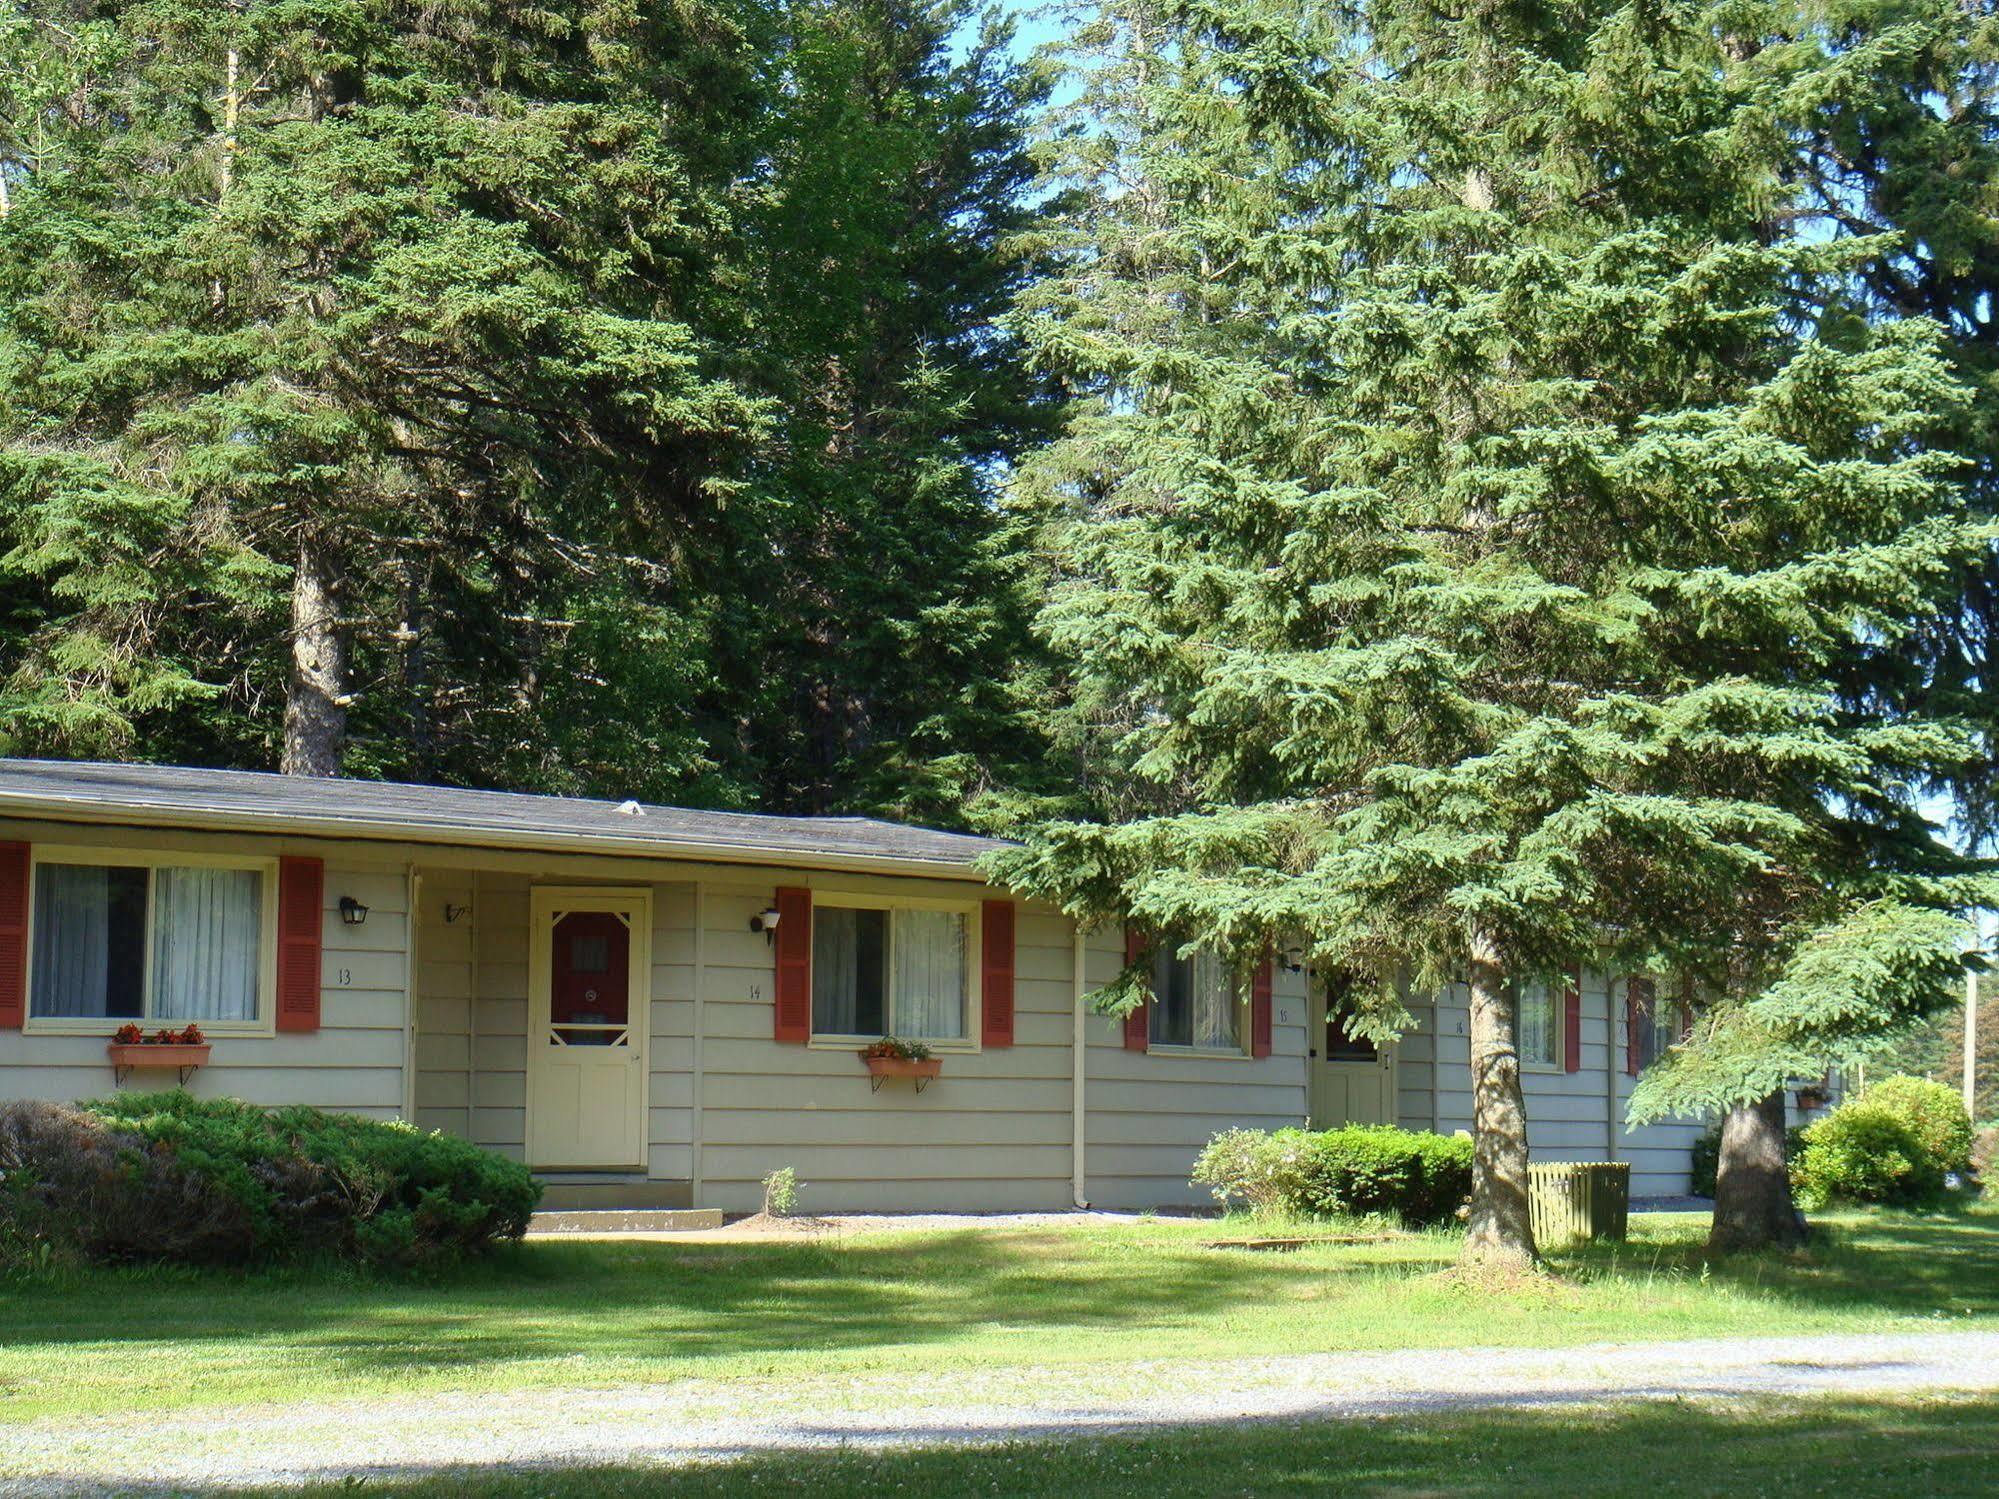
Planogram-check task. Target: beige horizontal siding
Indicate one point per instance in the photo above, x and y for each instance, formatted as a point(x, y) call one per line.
point(352, 1063)
point(991, 1133)
point(1151, 1112)
point(1571, 1116)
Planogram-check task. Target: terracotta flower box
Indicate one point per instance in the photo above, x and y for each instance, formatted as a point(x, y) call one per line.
point(921, 1069)
point(181, 1056)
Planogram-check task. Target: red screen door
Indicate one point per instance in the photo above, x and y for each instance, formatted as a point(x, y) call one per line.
point(590, 980)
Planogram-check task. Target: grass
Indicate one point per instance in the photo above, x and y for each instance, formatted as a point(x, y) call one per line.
point(933, 1304)
point(1854, 1449)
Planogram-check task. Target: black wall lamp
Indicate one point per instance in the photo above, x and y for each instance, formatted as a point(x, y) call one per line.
point(352, 912)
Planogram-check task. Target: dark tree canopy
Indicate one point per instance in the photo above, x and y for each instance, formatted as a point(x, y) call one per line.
point(587, 397)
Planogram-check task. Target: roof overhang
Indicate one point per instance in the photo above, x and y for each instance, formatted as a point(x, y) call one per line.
point(188, 816)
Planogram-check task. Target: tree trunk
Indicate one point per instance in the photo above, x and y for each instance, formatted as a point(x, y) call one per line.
point(316, 698)
point(1752, 1188)
point(1501, 1232)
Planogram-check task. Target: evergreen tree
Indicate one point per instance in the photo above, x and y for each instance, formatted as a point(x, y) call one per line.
point(879, 615)
point(1896, 106)
point(316, 310)
point(584, 399)
point(1474, 523)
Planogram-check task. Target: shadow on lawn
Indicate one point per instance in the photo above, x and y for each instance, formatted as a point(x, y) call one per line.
point(663, 1301)
point(1946, 1261)
point(1857, 1448)
point(659, 1303)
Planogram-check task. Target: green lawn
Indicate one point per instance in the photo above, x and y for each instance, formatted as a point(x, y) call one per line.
point(932, 1304)
point(1854, 1449)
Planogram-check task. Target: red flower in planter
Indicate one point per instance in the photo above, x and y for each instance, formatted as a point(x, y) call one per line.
point(191, 1036)
point(128, 1035)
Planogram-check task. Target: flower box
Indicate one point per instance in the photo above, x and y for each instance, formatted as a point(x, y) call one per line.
point(182, 1056)
point(922, 1069)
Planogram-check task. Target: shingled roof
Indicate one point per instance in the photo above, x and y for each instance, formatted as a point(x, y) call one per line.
point(251, 801)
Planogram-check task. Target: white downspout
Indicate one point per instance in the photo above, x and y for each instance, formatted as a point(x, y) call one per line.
point(1611, 1068)
point(695, 1122)
point(1079, 1179)
point(412, 903)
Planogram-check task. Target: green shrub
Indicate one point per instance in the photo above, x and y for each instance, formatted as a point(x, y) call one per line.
point(1446, 1178)
point(1865, 1152)
point(1359, 1170)
point(1705, 1162)
point(1934, 1113)
point(167, 1176)
point(1252, 1168)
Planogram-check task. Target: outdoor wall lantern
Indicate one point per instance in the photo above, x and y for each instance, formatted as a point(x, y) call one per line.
point(352, 912)
point(765, 921)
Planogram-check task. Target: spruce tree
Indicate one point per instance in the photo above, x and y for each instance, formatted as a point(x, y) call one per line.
point(1473, 522)
point(342, 339)
point(880, 615)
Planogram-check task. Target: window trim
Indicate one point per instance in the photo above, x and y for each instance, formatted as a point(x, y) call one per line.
point(1557, 1029)
point(972, 911)
point(155, 859)
point(1241, 1051)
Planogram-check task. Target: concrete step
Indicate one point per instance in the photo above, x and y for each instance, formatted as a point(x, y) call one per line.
point(569, 1194)
point(625, 1221)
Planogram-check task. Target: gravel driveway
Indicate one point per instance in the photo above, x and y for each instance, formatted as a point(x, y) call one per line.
point(698, 1419)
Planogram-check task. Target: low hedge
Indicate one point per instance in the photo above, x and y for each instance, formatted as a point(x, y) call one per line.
point(171, 1178)
point(1865, 1152)
point(1935, 1114)
point(1359, 1170)
point(1898, 1143)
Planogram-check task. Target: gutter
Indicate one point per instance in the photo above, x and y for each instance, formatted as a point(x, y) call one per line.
point(193, 819)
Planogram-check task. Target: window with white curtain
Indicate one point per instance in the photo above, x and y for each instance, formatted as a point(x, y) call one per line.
point(1194, 1002)
point(900, 971)
point(147, 942)
point(1656, 1020)
point(1539, 1032)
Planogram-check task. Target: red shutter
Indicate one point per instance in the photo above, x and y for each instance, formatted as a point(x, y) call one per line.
point(1572, 1023)
point(1259, 1010)
point(1137, 1024)
point(13, 935)
point(1637, 1007)
point(996, 973)
point(791, 1015)
point(301, 898)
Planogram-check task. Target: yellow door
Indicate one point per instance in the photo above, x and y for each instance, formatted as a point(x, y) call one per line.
point(589, 994)
point(1352, 1079)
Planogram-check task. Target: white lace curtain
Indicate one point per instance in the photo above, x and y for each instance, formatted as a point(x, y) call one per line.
point(1538, 1012)
point(925, 973)
point(928, 953)
point(72, 954)
point(1215, 1003)
point(90, 942)
point(206, 925)
point(836, 987)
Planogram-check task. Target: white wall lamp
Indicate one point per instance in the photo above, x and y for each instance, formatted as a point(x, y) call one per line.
point(765, 921)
